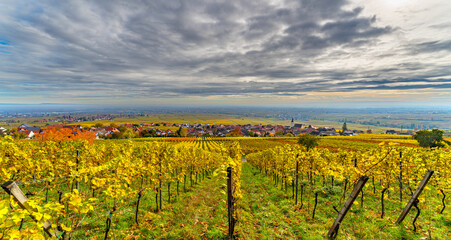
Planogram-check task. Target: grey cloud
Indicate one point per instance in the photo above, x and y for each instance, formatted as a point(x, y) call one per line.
point(177, 48)
point(433, 46)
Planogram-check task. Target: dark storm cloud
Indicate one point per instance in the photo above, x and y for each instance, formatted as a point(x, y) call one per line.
point(184, 48)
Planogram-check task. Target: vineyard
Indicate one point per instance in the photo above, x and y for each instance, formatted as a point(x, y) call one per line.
point(177, 188)
point(73, 183)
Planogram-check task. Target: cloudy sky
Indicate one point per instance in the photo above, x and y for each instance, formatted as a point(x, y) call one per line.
point(305, 52)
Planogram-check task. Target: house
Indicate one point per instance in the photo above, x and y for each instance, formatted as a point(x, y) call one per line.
point(2, 130)
point(168, 132)
point(30, 134)
point(138, 130)
point(100, 133)
point(29, 130)
point(23, 126)
point(392, 132)
point(348, 133)
point(111, 129)
point(34, 129)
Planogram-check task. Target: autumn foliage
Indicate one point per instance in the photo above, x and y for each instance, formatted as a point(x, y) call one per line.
point(65, 134)
point(236, 132)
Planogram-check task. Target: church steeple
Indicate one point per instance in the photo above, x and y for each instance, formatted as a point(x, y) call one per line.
point(292, 122)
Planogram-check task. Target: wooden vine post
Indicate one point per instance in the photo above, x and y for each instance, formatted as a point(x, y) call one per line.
point(160, 186)
point(77, 184)
point(347, 205)
point(230, 202)
point(12, 189)
point(415, 195)
point(297, 182)
point(400, 176)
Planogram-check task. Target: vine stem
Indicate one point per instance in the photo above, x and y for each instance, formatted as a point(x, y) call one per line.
point(316, 203)
point(443, 201)
point(382, 202)
point(415, 204)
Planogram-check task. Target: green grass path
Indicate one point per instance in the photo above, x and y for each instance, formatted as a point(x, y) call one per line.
point(199, 214)
point(267, 212)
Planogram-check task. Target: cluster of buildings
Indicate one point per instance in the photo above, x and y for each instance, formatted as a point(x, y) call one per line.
point(395, 132)
point(3, 131)
point(168, 129)
point(28, 131)
point(219, 130)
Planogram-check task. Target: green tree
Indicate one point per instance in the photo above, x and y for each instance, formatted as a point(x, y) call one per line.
point(308, 141)
point(182, 132)
point(429, 139)
point(279, 134)
point(345, 127)
point(129, 133)
point(20, 135)
point(98, 125)
point(117, 135)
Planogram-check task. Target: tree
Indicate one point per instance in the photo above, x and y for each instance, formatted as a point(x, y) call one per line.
point(279, 134)
point(235, 133)
point(98, 125)
point(308, 141)
point(65, 134)
point(182, 132)
point(344, 128)
point(20, 135)
point(129, 133)
point(117, 135)
point(429, 139)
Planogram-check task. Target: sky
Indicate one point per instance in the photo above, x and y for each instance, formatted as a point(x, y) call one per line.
point(232, 52)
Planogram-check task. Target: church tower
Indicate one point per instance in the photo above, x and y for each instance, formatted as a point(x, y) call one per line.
point(292, 122)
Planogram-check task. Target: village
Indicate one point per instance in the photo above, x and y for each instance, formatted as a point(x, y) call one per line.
point(167, 129)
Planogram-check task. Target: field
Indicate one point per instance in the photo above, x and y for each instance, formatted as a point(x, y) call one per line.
point(214, 118)
point(175, 188)
point(180, 118)
point(334, 143)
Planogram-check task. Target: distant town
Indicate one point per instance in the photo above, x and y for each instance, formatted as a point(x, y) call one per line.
point(168, 129)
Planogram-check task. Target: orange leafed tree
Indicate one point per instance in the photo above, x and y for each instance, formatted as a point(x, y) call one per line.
point(236, 132)
point(65, 134)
